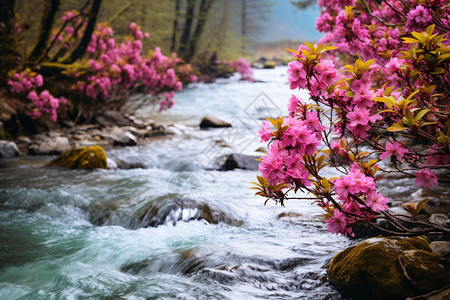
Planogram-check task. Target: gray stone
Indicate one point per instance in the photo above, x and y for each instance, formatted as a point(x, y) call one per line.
point(212, 122)
point(439, 219)
point(111, 118)
point(8, 149)
point(50, 146)
point(241, 161)
point(441, 248)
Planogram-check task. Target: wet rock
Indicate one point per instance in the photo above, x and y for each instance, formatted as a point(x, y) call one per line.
point(127, 165)
point(388, 268)
point(92, 157)
point(111, 164)
point(23, 143)
point(8, 149)
point(111, 118)
point(212, 122)
point(440, 220)
point(158, 130)
point(122, 137)
point(241, 161)
point(441, 248)
point(167, 209)
point(49, 145)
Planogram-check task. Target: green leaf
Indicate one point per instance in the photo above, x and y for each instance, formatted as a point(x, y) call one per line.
point(397, 127)
point(420, 115)
point(421, 205)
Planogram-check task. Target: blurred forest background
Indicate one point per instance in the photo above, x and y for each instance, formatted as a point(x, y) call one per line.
point(198, 30)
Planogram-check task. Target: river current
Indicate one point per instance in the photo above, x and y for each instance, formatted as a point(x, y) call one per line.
point(173, 227)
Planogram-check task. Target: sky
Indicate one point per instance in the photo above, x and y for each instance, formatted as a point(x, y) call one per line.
point(289, 22)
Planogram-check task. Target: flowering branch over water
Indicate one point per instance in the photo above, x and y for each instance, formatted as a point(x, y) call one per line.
point(392, 97)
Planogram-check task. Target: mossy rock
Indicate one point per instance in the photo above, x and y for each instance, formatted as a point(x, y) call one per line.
point(270, 64)
point(388, 268)
point(91, 157)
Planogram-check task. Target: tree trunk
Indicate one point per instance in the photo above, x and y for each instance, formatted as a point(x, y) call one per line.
point(9, 46)
point(82, 46)
point(244, 18)
point(175, 26)
point(186, 35)
point(193, 42)
point(48, 17)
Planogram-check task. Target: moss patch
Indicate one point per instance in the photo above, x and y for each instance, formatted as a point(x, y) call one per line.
point(91, 157)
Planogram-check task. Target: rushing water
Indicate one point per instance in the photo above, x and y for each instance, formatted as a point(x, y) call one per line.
point(142, 233)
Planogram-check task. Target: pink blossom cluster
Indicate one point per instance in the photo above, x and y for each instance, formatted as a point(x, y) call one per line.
point(27, 83)
point(45, 103)
point(240, 65)
point(244, 68)
point(373, 31)
point(316, 79)
point(360, 200)
point(117, 66)
point(284, 162)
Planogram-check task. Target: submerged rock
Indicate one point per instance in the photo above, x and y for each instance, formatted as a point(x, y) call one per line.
point(241, 161)
point(91, 157)
point(8, 149)
point(212, 122)
point(388, 268)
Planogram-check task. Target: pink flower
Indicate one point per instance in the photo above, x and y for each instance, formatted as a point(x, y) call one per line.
point(338, 223)
point(265, 132)
point(418, 19)
point(296, 75)
point(133, 26)
point(293, 102)
point(394, 64)
point(39, 80)
point(426, 179)
point(376, 201)
point(271, 166)
point(323, 23)
point(393, 149)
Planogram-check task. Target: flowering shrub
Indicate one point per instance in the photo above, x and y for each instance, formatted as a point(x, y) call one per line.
point(398, 98)
point(108, 72)
point(117, 69)
point(240, 65)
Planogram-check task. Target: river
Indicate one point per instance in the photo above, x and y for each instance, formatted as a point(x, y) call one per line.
point(76, 234)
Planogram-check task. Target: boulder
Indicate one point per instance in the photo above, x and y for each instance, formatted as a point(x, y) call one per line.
point(49, 145)
point(240, 161)
point(112, 118)
point(388, 268)
point(8, 149)
point(212, 122)
point(92, 157)
point(441, 248)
